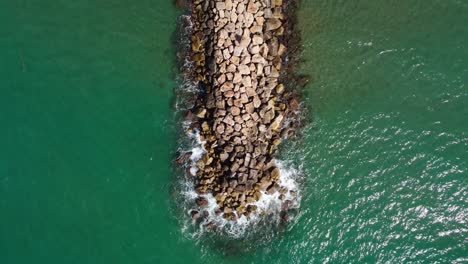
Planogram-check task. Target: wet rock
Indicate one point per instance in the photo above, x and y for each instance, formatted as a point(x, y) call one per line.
point(202, 201)
point(272, 24)
point(201, 113)
point(195, 215)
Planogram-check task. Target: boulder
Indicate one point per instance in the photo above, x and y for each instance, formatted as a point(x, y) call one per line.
point(195, 215)
point(272, 24)
point(220, 5)
point(244, 69)
point(202, 201)
point(235, 111)
point(252, 7)
point(220, 128)
point(201, 113)
point(237, 77)
point(257, 40)
point(249, 108)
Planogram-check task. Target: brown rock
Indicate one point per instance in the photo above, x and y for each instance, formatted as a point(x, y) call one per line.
point(229, 94)
point(274, 73)
point(201, 113)
point(237, 77)
point(257, 102)
point(205, 126)
point(280, 88)
point(220, 128)
point(195, 215)
point(278, 2)
point(255, 50)
point(238, 51)
point(256, 29)
point(245, 39)
point(249, 108)
point(220, 5)
point(235, 111)
point(268, 117)
point(202, 201)
point(240, 8)
point(257, 58)
point(228, 4)
point(223, 156)
point(247, 81)
point(256, 40)
point(244, 69)
point(260, 20)
point(252, 7)
point(272, 24)
point(228, 120)
point(281, 50)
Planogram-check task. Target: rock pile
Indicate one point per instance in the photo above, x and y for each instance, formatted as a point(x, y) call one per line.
point(238, 49)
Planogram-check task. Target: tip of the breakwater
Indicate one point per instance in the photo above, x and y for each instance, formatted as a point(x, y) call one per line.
point(244, 109)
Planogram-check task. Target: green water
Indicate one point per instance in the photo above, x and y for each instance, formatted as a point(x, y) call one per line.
point(88, 135)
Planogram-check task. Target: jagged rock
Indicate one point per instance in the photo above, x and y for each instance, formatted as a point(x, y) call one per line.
point(272, 24)
point(273, 45)
point(293, 104)
point(202, 201)
point(256, 29)
point(201, 113)
point(280, 89)
point(257, 102)
point(260, 20)
point(276, 124)
point(220, 5)
point(247, 81)
point(275, 173)
point(278, 2)
point(229, 93)
point(268, 117)
point(238, 51)
point(237, 77)
point(257, 58)
point(273, 73)
point(235, 111)
point(255, 49)
point(281, 50)
point(272, 189)
point(205, 126)
point(195, 215)
point(249, 108)
point(240, 8)
point(229, 121)
point(252, 7)
point(245, 39)
point(244, 69)
point(256, 39)
point(220, 129)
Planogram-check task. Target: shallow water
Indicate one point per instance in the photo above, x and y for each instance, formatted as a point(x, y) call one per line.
point(88, 135)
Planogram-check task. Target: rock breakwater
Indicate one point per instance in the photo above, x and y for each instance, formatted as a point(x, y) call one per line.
point(245, 108)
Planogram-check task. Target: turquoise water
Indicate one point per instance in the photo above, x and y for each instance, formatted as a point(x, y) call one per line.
point(88, 135)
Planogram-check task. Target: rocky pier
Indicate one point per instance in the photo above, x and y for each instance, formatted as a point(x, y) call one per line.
point(239, 49)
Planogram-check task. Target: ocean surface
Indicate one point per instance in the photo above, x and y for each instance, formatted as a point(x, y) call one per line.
point(89, 132)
